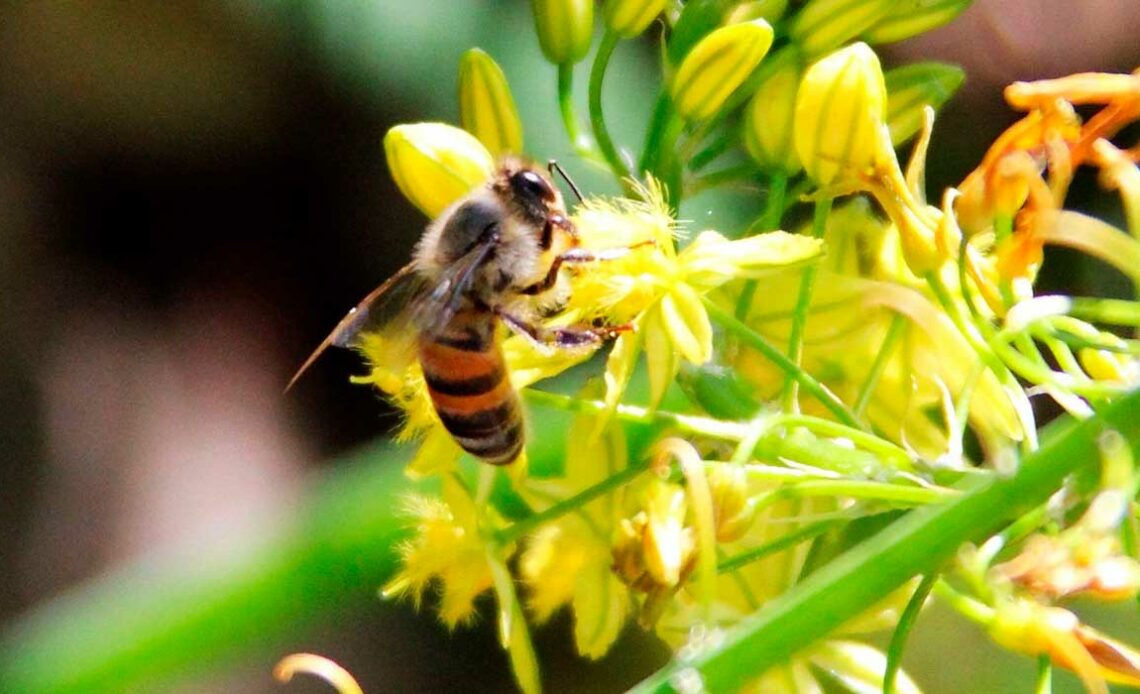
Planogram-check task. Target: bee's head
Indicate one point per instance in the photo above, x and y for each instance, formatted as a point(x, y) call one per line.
point(528, 191)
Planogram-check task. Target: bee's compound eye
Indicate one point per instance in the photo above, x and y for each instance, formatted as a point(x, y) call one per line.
point(532, 185)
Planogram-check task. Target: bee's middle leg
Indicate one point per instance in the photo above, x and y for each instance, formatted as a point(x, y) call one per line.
point(568, 337)
point(577, 255)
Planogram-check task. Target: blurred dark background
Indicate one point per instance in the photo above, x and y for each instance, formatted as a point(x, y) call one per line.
point(193, 192)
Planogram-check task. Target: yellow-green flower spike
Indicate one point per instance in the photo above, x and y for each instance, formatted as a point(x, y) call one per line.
point(717, 66)
point(910, 88)
point(564, 29)
point(840, 110)
point(435, 164)
point(486, 108)
point(824, 25)
point(913, 17)
point(770, 11)
point(770, 117)
point(628, 18)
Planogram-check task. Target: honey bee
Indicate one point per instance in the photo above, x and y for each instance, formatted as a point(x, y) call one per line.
point(493, 257)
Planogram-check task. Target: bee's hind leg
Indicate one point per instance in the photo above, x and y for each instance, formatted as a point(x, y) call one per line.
point(566, 338)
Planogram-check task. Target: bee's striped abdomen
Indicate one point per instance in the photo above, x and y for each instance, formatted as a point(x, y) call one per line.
point(471, 389)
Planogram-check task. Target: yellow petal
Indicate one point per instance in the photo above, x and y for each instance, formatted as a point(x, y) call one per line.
point(687, 323)
point(770, 116)
point(660, 357)
point(435, 164)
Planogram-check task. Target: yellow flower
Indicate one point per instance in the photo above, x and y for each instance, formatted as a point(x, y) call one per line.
point(567, 562)
point(564, 29)
point(486, 108)
point(435, 164)
point(770, 116)
point(717, 66)
point(628, 18)
point(840, 112)
point(824, 25)
point(913, 17)
point(446, 547)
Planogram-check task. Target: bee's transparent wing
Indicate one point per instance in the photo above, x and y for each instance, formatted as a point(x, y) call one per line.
point(434, 309)
point(384, 310)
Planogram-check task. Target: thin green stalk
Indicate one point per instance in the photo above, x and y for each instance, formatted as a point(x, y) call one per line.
point(808, 532)
point(571, 504)
point(1113, 311)
point(597, 119)
point(712, 152)
point(870, 490)
point(885, 449)
point(745, 171)
point(1044, 683)
point(756, 341)
point(803, 302)
point(691, 424)
point(898, 323)
point(769, 220)
point(902, 630)
point(566, 104)
point(919, 542)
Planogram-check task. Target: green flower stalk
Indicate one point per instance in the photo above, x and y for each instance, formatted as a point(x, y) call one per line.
point(486, 108)
point(717, 66)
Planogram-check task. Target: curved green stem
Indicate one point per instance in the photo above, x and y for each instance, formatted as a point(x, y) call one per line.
point(803, 302)
point(597, 120)
point(793, 371)
point(902, 631)
point(898, 323)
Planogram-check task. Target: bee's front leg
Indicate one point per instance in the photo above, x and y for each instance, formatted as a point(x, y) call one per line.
point(568, 337)
point(577, 255)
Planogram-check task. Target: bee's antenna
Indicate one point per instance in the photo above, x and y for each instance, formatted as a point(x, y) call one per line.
point(554, 166)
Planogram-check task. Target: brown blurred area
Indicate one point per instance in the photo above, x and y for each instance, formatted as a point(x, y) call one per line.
point(189, 199)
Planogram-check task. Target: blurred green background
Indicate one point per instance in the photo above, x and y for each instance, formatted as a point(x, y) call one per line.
point(193, 192)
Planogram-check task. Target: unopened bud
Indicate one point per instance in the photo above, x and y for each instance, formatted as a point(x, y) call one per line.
point(824, 25)
point(840, 110)
point(911, 88)
point(486, 108)
point(628, 18)
point(770, 117)
point(733, 511)
point(435, 164)
point(717, 66)
point(564, 29)
point(914, 17)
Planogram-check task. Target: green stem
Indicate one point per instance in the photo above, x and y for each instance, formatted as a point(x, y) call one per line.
point(898, 323)
point(1044, 683)
point(769, 220)
point(745, 171)
point(690, 424)
point(808, 532)
point(890, 452)
point(717, 147)
point(919, 542)
point(566, 104)
point(597, 119)
point(803, 302)
point(571, 504)
point(756, 341)
point(902, 631)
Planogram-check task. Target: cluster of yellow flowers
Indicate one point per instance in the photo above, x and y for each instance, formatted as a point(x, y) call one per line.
point(792, 382)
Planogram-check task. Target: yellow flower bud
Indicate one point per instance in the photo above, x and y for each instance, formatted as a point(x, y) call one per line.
point(564, 29)
point(839, 115)
point(486, 108)
point(667, 544)
point(769, 119)
point(910, 88)
point(824, 25)
point(732, 510)
point(717, 66)
point(628, 18)
point(435, 164)
point(913, 17)
point(770, 11)
point(1104, 365)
